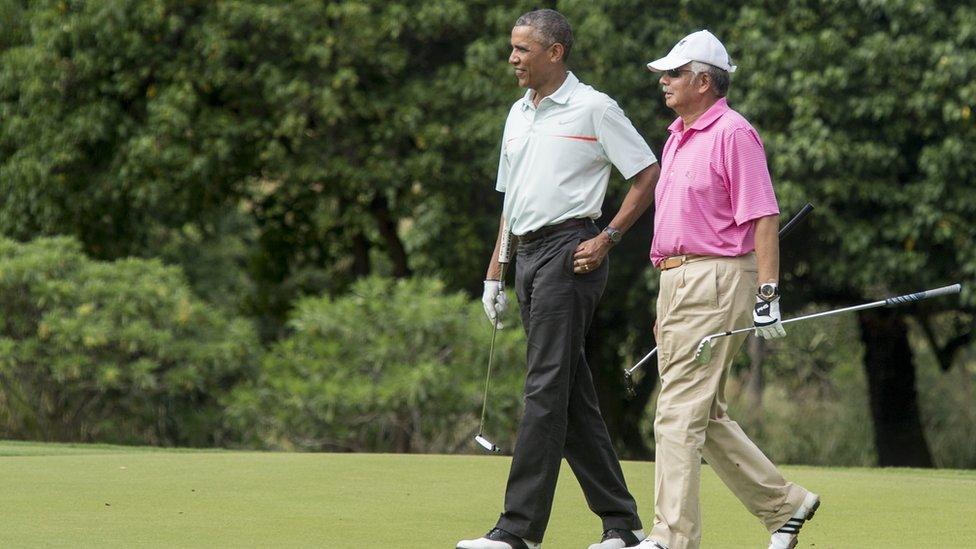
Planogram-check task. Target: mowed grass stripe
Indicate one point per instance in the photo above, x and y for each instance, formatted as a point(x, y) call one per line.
point(105, 496)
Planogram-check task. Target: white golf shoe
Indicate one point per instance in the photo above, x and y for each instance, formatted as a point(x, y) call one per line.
point(785, 537)
point(497, 539)
point(618, 538)
point(651, 544)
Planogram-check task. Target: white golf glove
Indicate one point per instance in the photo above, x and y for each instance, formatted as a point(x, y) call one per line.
point(768, 321)
point(494, 300)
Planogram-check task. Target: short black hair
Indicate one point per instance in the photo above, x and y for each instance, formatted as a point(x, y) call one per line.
point(551, 25)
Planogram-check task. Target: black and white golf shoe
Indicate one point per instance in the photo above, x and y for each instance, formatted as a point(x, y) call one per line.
point(617, 538)
point(498, 539)
point(785, 537)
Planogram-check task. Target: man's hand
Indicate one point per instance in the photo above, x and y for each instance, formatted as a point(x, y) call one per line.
point(495, 301)
point(591, 253)
point(768, 321)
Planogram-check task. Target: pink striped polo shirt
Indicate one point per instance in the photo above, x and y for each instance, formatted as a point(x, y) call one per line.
point(714, 182)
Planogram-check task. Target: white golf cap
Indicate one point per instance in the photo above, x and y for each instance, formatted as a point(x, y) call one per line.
point(699, 46)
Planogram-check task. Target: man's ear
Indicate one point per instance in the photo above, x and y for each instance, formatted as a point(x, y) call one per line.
point(704, 82)
point(556, 52)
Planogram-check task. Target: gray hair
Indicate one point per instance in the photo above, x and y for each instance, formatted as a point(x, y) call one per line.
point(551, 26)
point(720, 79)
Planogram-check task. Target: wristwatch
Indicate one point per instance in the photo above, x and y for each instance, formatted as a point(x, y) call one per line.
point(614, 234)
point(768, 291)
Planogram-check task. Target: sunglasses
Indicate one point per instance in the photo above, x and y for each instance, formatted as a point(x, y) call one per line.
point(676, 73)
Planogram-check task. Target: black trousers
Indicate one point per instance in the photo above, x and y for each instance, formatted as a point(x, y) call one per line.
point(562, 415)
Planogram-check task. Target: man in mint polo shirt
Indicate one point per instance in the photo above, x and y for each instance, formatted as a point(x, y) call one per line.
point(716, 244)
point(558, 146)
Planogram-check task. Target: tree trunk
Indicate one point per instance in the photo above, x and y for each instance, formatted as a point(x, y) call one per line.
point(756, 382)
point(898, 434)
point(360, 253)
point(380, 210)
point(621, 415)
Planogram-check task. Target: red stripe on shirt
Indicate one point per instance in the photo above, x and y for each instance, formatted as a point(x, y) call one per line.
point(580, 137)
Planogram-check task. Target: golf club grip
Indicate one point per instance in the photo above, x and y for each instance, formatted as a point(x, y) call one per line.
point(807, 208)
point(926, 294)
point(505, 248)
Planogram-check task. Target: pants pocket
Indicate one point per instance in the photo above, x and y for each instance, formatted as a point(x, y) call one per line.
point(698, 286)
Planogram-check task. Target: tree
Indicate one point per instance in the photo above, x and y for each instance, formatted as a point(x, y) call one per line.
point(112, 351)
point(318, 119)
point(328, 141)
point(413, 381)
point(866, 111)
point(112, 127)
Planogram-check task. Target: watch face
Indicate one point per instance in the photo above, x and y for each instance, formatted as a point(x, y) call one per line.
point(614, 235)
point(767, 290)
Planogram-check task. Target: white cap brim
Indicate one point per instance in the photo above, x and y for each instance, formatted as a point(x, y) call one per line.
point(667, 63)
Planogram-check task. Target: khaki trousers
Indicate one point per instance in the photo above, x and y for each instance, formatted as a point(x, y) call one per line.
point(702, 297)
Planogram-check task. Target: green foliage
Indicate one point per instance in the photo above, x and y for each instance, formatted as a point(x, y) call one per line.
point(126, 130)
point(118, 351)
point(214, 258)
point(866, 109)
point(12, 21)
point(392, 366)
point(815, 409)
point(805, 428)
point(946, 402)
point(282, 149)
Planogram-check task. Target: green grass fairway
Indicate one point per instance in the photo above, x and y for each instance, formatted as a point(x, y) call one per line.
point(109, 496)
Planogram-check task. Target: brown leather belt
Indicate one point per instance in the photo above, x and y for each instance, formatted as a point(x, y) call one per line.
point(677, 261)
point(549, 229)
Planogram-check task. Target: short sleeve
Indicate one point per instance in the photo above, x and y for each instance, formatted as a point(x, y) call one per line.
point(624, 147)
point(747, 176)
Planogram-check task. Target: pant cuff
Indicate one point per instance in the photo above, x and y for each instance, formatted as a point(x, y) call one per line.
point(622, 523)
point(519, 529)
point(793, 501)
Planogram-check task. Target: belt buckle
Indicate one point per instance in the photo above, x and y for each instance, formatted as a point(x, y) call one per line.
point(665, 265)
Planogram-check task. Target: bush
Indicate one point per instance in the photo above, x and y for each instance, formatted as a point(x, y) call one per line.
point(946, 401)
point(815, 407)
point(395, 365)
point(111, 351)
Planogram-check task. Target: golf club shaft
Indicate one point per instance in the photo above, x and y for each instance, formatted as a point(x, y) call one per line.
point(890, 302)
point(643, 361)
point(806, 209)
point(491, 354)
point(504, 254)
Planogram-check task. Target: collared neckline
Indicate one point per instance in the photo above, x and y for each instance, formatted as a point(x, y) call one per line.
point(561, 95)
point(705, 120)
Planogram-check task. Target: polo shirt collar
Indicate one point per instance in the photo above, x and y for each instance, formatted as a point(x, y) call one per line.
point(561, 95)
point(705, 120)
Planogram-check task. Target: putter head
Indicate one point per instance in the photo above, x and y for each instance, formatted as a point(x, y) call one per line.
point(703, 353)
point(629, 385)
point(486, 444)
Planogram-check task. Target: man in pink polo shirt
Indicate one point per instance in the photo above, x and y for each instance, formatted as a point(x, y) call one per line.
point(715, 242)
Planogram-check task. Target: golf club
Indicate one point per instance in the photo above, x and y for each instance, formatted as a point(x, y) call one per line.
point(704, 351)
point(504, 254)
point(629, 374)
